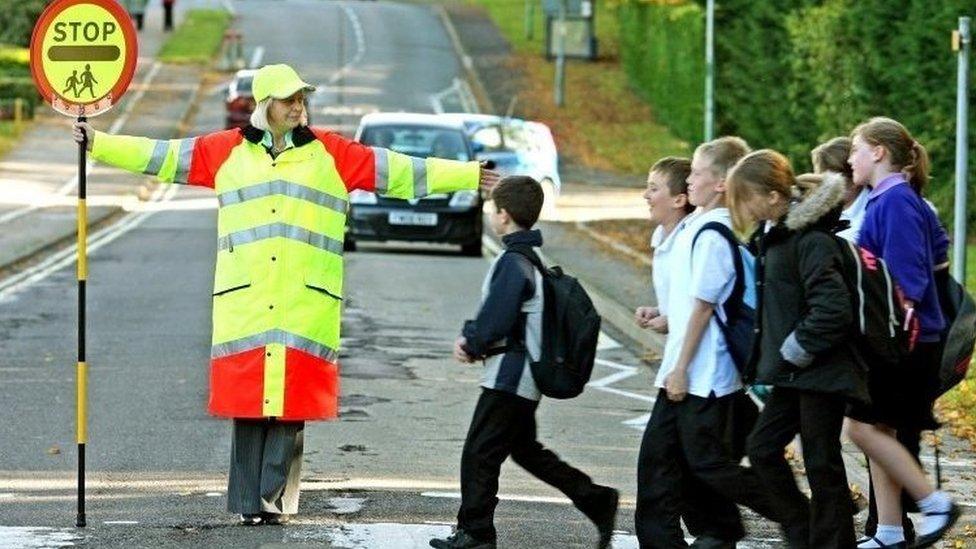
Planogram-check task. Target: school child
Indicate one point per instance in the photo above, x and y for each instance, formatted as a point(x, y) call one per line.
point(831, 156)
point(804, 316)
point(667, 199)
point(504, 418)
point(686, 441)
point(898, 228)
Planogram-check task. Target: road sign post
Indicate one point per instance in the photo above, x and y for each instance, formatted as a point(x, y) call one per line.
point(83, 56)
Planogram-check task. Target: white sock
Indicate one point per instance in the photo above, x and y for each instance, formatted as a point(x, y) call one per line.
point(886, 535)
point(936, 502)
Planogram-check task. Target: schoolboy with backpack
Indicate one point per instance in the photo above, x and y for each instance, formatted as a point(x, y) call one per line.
point(536, 331)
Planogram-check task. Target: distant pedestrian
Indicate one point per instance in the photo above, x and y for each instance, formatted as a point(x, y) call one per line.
point(168, 15)
point(282, 188)
point(136, 9)
point(805, 318)
point(898, 227)
point(504, 423)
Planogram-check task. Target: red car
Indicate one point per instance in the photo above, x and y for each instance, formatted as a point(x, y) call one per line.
point(240, 100)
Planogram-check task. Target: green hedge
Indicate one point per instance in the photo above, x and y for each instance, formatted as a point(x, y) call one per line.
point(790, 73)
point(663, 53)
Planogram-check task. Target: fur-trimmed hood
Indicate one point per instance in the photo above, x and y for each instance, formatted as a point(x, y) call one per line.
point(821, 207)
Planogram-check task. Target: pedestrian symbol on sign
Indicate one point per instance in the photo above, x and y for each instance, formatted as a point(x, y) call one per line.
point(87, 81)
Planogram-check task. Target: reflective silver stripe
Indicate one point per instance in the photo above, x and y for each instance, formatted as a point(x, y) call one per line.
point(157, 159)
point(382, 169)
point(280, 337)
point(419, 176)
point(282, 230)
point(285, 188)
point(186, 156)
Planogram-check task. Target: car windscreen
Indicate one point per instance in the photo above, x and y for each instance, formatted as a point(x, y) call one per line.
point(418, 141)
point(508, 137)
point(244, 85)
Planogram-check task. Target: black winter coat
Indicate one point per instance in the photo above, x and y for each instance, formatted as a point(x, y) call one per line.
point(807, 313)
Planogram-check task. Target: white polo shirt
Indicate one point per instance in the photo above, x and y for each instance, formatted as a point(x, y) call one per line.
point(707, 273)
point(663, 245)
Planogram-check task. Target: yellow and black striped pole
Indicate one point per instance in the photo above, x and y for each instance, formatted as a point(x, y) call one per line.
point(82, 372)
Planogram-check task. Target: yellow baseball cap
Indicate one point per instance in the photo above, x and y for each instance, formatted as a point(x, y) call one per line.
point(278, 81)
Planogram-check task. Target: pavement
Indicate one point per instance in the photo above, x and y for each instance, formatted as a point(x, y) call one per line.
point(385, 474)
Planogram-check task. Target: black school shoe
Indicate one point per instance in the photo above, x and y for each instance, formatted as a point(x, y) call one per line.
point(896, 545)
point(606, 520)
point(275, 519)
point(461, 540)
point(928, 540)
point(252, 519)
point(708, 542)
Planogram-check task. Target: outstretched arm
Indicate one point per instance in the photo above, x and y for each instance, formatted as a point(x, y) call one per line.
point(190, 161)
point(397, 175)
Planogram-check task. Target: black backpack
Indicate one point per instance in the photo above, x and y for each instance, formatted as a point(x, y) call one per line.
point(959, 335)
point(570, 329)
point(879, 312)
point(739, 327)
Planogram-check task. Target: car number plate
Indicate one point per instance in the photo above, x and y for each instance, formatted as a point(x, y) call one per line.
point(413, 218)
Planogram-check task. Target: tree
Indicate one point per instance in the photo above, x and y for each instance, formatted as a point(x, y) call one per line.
point(17, 18)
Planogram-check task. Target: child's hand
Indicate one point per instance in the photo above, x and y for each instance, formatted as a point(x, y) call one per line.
point(459, 353)
point(676, 385)
point(659, 324)
point(644, 315)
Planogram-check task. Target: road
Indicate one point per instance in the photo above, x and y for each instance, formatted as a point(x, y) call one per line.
point(386, 474)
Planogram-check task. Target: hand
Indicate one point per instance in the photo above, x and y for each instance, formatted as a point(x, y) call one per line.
point(644, 315)
point(488, 179)
point(659, 324)
point(459, 353)
point(676, 385)
point(82, 129)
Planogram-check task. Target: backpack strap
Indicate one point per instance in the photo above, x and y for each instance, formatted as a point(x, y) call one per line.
point(739, 287)
point(527, 252)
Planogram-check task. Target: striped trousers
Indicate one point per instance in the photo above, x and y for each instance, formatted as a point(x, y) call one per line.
point(265, 466)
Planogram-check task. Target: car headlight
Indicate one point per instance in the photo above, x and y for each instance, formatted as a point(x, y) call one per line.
point(362, 197)
point(464, 199)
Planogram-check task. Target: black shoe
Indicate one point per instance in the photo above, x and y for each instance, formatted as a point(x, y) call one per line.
point(897, 545)
point(928, 540)
point(607, 519)
point(252, 519)
point(708, 542)
point(275, 519)
point(461, 540)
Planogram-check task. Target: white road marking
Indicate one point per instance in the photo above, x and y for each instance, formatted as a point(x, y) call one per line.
point(68, 256)
point(70, 184)
point(504, 497)
point(346, 506)
point(27, 537)
point(360, 37)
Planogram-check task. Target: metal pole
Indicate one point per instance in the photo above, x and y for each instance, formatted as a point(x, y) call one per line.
point(962, 161)
point(82, 369)
point(710, 70)
point(342, 58)
point(561, 56)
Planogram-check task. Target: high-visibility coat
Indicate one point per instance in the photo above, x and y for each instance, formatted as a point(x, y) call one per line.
point(278, 280)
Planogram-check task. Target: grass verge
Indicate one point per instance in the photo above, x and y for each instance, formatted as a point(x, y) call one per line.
point(9, 133)
point(603, 124)
point(198, 39)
